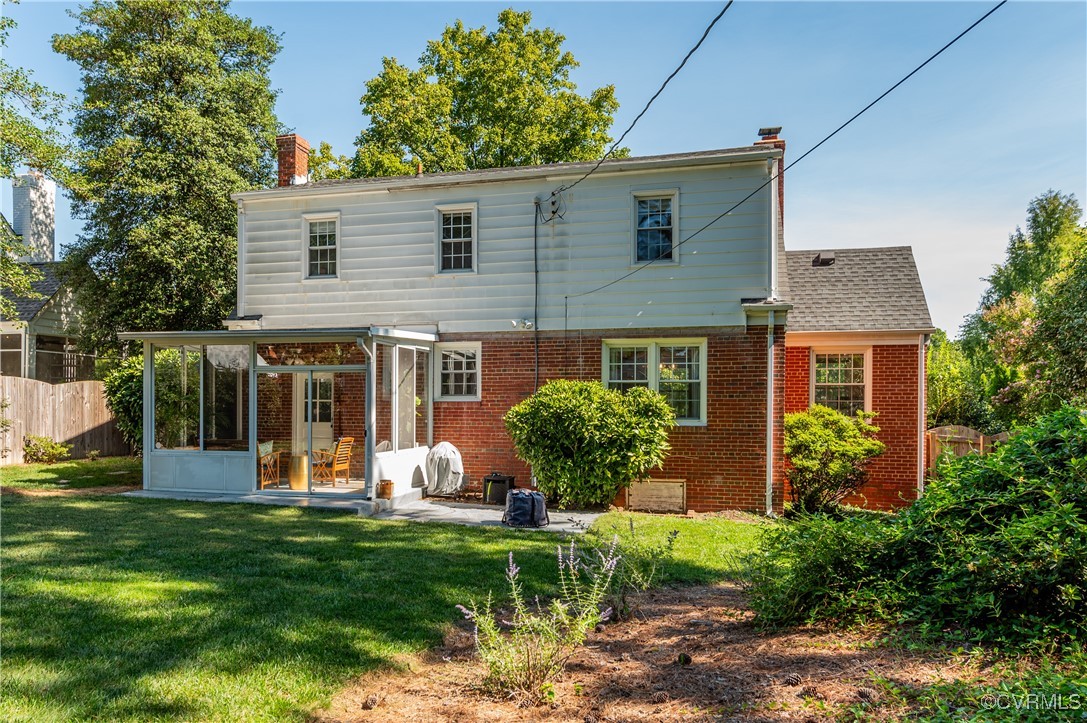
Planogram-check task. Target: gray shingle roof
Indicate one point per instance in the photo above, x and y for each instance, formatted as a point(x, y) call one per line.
point(47, 285)
point(873, 289)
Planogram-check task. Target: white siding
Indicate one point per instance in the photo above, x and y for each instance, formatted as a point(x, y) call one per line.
point(387, 256)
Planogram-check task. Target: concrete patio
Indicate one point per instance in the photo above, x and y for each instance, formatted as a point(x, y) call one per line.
point(412, 510)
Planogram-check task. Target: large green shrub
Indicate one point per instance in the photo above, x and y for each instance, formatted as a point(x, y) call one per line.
point(124, 396)
point(586, 442)
point(996, 549)
point(828, 455)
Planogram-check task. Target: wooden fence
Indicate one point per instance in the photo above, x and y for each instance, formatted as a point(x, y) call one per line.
point(960, 441)
point(74, 413)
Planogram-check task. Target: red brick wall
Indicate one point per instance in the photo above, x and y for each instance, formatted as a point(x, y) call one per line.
point(723, 462)
point(893, 476)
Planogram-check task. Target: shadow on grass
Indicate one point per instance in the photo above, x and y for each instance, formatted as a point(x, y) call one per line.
point(127, 608)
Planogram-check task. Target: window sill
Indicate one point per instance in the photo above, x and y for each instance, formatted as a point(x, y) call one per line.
point(660, 262)
point(458, 399)
point(692, 423)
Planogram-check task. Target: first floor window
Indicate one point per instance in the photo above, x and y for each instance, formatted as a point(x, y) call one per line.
point(458, 371)
point(675, 369)
point(321, 247)
point(11, 355)
point(839, 381)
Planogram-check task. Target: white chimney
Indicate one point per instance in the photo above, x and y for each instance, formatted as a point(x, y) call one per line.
point(34, 202)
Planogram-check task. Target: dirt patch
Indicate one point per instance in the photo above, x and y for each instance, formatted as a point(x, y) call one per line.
point(67, 492)
point(691, 655)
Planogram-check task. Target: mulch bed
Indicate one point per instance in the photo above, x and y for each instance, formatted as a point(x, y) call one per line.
point(690, 654)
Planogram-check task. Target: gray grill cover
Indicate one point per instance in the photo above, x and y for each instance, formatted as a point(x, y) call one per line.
point(444, 470)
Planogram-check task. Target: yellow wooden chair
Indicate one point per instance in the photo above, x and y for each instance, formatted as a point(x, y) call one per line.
point(328, 465)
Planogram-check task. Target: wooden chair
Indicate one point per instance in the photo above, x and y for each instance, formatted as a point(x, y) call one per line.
point(269, 465)
point(328, 465)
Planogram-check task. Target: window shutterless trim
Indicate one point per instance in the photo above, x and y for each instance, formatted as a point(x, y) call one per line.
point(865, 350)
point(439, 351)
point(307, 219)
point(440, 212)
point(646, 194)
point(653, 347)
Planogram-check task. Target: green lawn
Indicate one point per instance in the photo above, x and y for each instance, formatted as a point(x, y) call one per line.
point(136, 609)
point(74, 474)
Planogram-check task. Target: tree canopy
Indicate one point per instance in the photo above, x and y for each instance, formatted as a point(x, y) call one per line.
point(176, 114)
point(1018, 338)
point(31, 136)
point(482, 99)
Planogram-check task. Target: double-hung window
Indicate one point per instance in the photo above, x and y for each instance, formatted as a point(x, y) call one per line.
point(674, 367)
point(322, 234)
point(656, 226)
point(457, 377)
point(456, 238)
point(840, 380)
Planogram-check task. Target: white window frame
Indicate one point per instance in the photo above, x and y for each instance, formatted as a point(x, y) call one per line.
point(439, 211)
point(307, 219)
point(865, 350)
point(640, 194)
point(436, 376)
point(653, 363)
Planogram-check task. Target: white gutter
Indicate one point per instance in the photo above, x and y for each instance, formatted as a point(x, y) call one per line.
point(548, 172)
point(770, 415)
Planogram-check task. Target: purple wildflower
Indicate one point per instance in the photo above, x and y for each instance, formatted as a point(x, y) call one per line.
point(468, 614)
point(512, 570)
point(606, 615)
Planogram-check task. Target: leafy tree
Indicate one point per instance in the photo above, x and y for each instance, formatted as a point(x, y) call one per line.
point(1060, 333)
point(176, 115)
point(323, 163)
point(586, 442)
point(828, 455)
point(30, 137)
point(482, 99)
point(1000, 340)
point(955, 393)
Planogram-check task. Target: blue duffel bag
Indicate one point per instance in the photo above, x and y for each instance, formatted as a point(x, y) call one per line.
point(525, 508)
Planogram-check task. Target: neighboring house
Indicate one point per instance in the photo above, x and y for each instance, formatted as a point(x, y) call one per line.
point(400, 312)
point(40, 341)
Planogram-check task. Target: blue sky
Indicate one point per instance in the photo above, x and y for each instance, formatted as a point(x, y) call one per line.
point(946, 164)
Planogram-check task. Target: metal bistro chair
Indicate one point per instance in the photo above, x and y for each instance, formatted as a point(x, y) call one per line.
point(328, 465)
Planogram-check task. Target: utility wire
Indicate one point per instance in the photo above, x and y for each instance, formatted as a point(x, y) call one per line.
point(803, 156)
point(660, 90)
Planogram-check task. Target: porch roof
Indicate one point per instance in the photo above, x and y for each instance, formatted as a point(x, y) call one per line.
point(244, 336)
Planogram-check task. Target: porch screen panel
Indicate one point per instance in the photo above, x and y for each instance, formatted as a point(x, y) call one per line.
point(226, 397)
point(405, 398)
point(422, 398)
point(177, 397)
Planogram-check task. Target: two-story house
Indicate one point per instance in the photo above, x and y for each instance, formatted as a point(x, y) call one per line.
point(400, 312)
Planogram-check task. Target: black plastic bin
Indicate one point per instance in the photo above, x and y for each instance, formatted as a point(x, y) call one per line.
point(496, 487)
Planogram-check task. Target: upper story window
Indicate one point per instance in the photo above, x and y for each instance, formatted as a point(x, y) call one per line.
point(673, 367)
point(322, 245)
point(456, 238)
point(840, 381)
point(458, 371)
point(656, 226)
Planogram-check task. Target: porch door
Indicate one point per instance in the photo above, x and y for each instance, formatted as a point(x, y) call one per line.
point(319, 407)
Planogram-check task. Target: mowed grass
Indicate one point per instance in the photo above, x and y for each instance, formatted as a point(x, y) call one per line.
point(117, 608)
point(73, 474)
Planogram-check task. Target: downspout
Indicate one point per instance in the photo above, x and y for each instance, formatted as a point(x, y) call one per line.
point(239, 305)
point(770, 415)
point(773, 235)
point(922, 384)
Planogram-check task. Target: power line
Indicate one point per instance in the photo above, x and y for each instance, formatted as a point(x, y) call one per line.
point(802, 156)
point(660, 90)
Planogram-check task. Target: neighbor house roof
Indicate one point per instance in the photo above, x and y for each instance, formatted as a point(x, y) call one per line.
point(873, 289)
point(483, 175)
point(46, 286)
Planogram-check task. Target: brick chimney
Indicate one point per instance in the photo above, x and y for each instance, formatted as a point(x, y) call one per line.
point(769, 137)
point(293, 159)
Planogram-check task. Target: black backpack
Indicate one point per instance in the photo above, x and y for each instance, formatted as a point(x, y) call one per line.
point(525, 508)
